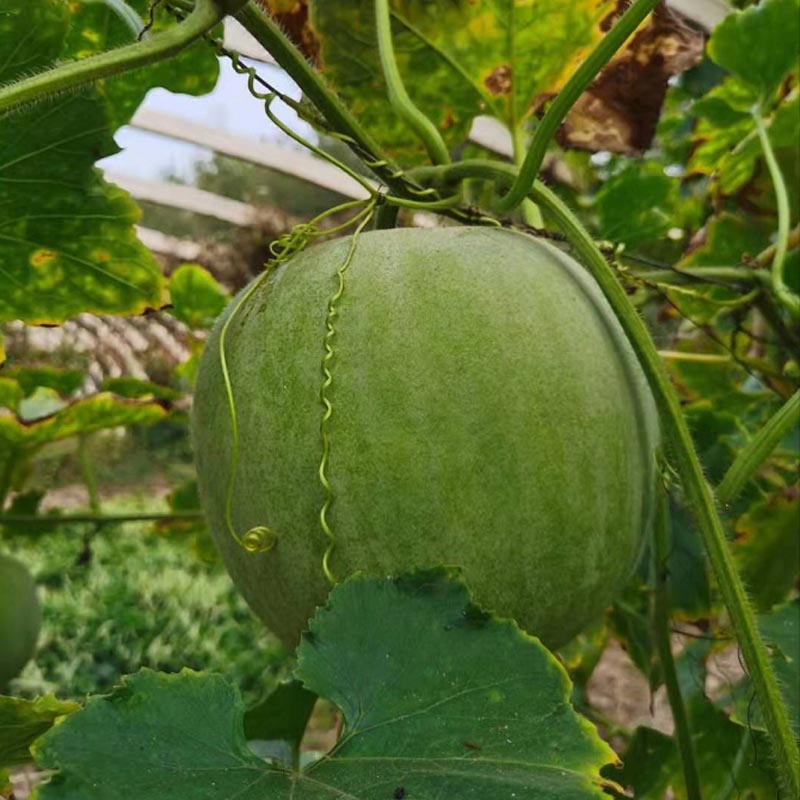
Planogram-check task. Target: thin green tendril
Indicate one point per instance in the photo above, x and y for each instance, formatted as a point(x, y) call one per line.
point(327, 382)
point(250, 544)
point(271, 94)
point(261, 538)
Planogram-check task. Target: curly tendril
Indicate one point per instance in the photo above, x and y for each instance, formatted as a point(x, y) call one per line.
point(324, 394)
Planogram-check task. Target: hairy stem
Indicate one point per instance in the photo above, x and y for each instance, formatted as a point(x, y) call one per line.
point(206, 14)
point(398, 96)
point(661, 626)
point(697, 491)
point(677, 432)
point(758, 449)
point(567, 97)
point(785, 296)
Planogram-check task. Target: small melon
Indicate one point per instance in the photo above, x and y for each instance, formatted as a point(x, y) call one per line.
point(20, 618)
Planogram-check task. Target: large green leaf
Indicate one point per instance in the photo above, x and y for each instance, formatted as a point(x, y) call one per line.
point(761, 44)
point(439, 700)
point(24, 721)
point(67, 242)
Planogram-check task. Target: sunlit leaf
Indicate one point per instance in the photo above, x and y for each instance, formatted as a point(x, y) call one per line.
point(501, 58)
point(18, 439)
point(726, 145)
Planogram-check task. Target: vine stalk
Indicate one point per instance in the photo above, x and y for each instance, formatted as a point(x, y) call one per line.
point(346, 127)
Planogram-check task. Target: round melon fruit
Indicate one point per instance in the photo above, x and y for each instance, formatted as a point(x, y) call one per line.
point(20, 618)
point(487, 412)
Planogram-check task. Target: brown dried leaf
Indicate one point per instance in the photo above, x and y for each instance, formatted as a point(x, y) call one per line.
point(619, 112)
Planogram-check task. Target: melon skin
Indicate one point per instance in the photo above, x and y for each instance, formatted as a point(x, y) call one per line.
point(488, 413)
point(20, 618)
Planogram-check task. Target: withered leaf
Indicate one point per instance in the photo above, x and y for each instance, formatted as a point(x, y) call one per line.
point(620, 111)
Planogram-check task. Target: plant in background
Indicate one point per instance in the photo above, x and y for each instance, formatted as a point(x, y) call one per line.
point(324, 464)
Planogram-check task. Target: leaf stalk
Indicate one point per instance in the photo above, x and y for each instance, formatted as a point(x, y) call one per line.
point(784, 295)
point(660, 609)
point(399, 98)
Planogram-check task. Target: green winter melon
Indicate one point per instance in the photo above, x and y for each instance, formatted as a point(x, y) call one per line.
point(487, 412)
point(20, 618)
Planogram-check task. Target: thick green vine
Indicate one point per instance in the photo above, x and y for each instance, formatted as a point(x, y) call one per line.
point(342, 124)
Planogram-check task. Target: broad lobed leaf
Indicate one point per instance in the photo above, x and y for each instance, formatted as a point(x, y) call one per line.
point(445, 699)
